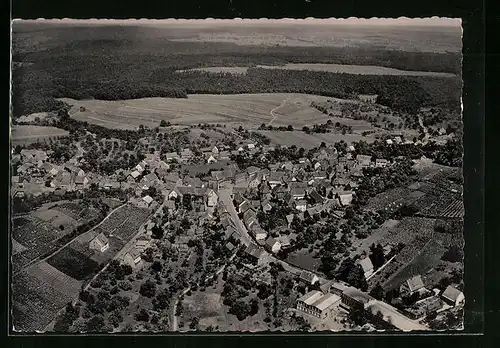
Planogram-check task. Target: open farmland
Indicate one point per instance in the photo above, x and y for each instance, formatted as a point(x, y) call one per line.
point(39, 292)
point(252, 109)
point(221, 69)
point(24, 134)
point(355, 69)
point(308, 141)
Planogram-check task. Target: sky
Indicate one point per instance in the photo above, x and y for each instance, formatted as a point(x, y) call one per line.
point(402, 21)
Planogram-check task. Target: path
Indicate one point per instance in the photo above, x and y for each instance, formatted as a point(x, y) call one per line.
point(65, 245)
point(185, 291)
point(276, 108)
point(426, 132)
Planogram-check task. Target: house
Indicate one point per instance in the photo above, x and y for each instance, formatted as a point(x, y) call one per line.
point(317, 166)
point(259, 233)
point(381, 163)
point(212, 198)
point(320, 176)
point(388, 142)
point(284, 241)
point(266, 206)
point(240, 178)
point(251, 146)
point(289, 219)
point(345, 197)
point(169, 204)
point(229, 246)
point(254, 182)
point(288, 166)
point(171, 156)
point(298, 193)
point(275, 178)
point(453, 296)
point(273, 244)
point(33, 156)
point(364, 160)
point(301, 205)
point(142, 244)
point(413, 285)
point(367, 266)
point(252, 171)
point(368, 98)
point(249, 218)
point(244, 206)
point(215, 150)
point(398, 140)
point(132, 258)
point(147, 200)
point(99, 243)
point(211, 159)
point(81, 181)
point(224, 155)
point(141, 167)
point(316, 197)
point(309, 277)
point(150, 179)
point(134, 174)
point(254, 254)
point(319, 305)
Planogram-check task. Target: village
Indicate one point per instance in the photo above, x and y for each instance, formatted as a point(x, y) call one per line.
point(250, 211)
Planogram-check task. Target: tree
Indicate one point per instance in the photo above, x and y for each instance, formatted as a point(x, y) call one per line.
point(95, 324)
point(157, 232)
point(194, 323)
point(377, 292)
point(357, 278)
point(377, 255)
point(148, 289)
point(289, 128)
point(142, 315)
point(156, 266)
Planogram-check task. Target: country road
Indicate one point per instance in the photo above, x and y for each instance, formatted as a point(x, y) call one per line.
point(276, 108)
point(65, 245)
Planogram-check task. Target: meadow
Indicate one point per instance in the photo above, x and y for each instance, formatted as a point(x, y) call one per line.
point(253, 109)
point(26, 134)
point(333, 68)
point(308, 141)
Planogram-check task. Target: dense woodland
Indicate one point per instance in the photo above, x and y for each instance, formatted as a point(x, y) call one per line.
point(115, 69)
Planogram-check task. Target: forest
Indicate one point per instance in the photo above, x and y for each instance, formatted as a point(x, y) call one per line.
point(117, 69)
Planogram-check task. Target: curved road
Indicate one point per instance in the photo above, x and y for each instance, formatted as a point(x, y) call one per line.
point(276, 108)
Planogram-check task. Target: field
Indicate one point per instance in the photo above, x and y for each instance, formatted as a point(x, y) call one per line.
point(38, 293)
point(335, 68)
point(354, 69)
point(253, 109)
point(80, 262)
point(303, 259)
point(307, 141)
point(23, 134)
point(73, 263)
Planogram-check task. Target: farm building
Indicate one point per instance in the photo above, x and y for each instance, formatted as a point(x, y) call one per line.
point(381, 163)
point(453, 296)
point(301, 205)
point(367, 266)
point(413, 285)
point(212, 198)
point(368, 98)
point(345, 197)
point(132, 258)
point(142, 244)
point(364, 160)
point(255, 254)
point(99, 243)
point(259, 233)
point(317, 304)
point(273, 244)
point(146, 201)
point(309, 278)
point(33, 156)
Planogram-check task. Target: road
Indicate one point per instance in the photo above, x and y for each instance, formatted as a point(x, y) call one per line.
point(246, 239)
point(276, 108)
point(65, 245)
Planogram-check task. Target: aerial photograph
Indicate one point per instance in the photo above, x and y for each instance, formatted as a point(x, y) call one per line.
point(236, 175)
